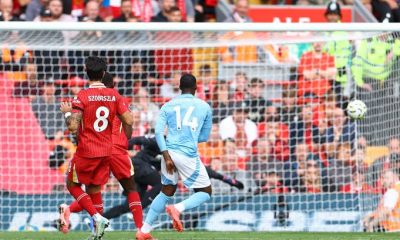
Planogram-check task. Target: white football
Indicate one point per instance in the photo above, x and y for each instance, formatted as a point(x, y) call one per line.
point(356, 109)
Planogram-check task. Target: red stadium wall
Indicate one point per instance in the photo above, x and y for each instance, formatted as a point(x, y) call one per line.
point(287, 14)
point(24, 151)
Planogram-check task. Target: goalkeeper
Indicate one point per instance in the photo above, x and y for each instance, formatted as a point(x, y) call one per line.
point(386, 217)
point(148, 160)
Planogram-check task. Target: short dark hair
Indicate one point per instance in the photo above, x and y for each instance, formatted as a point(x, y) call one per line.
point(108, 80)
point(95, 68)
point(174, 9)
point(256, 81)
point(188, 81)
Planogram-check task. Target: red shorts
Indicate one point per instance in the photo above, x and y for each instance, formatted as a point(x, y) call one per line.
point(121, 166)
point(95, 171)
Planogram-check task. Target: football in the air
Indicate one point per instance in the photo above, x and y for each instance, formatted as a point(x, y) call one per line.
point(356, 109)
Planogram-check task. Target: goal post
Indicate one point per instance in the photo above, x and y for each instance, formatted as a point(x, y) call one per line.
point(278, 93)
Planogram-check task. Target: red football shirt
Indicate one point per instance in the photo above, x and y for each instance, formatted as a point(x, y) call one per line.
point(119, 138)
point(310, 61)
point(99, 106)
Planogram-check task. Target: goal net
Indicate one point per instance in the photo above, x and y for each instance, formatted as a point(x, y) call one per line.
point(284, 154)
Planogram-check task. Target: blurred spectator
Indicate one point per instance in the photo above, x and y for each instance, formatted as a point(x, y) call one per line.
point(271, 113)
point(357, 185)
point(221, 104)
point(362, 143)
point(32, 87)
point(278, 135)
point(134, 76)
point(310, 2)
point(174, 14)
point(46, 110)
point(165, 7)
point(372, 69)
point(212, 150)
point(341, 169)
point(240, 13)
point(333, 14)
point(34, 8)
point(170, 88)
point(126, 11)
point(271, 182)
point(263, 160)
point(140, 128)
point(384, 163)
point(256, 101)
point(386, 10)
point(231, 160)
point(230, 163)
point(148, 110)
point(295, 170)
point(239, 127)
point(45, 15)
point(6, 11)
point(56, 10)
point(311, 183)
point(334, 130)
point(206, 84)
point(340, 49)
point(315, 70)
point(303, 130)
point(75, 84)
point(91, 13)
point(239, 86)
point(289, 109)
point(112, 186)
point(205, 10)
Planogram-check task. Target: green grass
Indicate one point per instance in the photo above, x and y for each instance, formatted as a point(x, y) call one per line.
point(203, 236)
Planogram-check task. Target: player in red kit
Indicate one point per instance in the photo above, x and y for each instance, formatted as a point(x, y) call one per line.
point(93, 113)
point(120, 166)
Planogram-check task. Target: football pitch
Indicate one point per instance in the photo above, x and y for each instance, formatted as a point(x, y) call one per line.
point(200, 235)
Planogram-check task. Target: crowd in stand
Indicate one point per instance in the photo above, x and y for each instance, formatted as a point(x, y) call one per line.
point(302, 143)
point(159, 11)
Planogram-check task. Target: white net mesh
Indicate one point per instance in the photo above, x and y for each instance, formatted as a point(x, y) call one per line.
point(279, 127)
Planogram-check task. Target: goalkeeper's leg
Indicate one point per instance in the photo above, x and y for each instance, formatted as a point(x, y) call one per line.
point(225, 178)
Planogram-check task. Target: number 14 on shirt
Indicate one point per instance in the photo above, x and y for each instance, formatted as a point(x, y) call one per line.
point(192, 123)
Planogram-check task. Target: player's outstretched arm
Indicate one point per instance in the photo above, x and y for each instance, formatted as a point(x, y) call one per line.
point(127, 122)
point(159, 132)
point(141, 141)
point(73, 122)
point(206, 128)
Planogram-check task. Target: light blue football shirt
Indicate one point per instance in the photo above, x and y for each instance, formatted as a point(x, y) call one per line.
point(188, 120)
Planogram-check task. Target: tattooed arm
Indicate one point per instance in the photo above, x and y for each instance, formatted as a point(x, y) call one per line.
point(72, 120)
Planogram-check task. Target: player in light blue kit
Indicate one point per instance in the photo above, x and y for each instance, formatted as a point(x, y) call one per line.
point(188, 121)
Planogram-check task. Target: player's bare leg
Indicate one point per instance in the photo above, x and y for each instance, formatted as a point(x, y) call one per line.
point(200, 196)
point(156, 208)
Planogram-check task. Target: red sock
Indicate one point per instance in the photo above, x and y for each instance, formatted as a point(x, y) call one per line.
point(136, 208)
point(97, 201)
point(75, 207)
point(83, 199)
